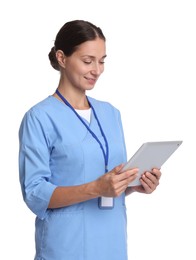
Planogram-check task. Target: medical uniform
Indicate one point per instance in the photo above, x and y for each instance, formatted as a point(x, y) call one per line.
point(56, 149)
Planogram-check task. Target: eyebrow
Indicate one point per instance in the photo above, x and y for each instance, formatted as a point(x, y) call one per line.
point(92, 57)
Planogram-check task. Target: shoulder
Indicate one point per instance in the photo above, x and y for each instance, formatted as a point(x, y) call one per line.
point(105, 111)
point(100, 104)
point(39, 113)
point(41, 108)
point(42, 105)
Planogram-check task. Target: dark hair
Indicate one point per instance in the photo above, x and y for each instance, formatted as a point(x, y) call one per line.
point(70, 36)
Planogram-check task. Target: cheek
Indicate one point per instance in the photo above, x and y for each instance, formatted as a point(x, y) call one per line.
point(74, 72)
point(102, 69)
point(79, 70)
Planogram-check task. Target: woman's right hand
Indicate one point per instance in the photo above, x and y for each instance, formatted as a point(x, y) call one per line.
point(111, 184)
point(114, 183)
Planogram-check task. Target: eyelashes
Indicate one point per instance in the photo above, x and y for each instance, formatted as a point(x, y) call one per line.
point(90, 62)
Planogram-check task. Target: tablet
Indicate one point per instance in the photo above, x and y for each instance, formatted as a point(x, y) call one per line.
point(151, 155)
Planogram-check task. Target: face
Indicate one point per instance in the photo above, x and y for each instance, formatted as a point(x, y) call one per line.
point(85, 65)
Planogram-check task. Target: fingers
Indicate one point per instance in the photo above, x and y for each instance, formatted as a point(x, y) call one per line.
point(127, 174)
point(114, 183)
point(150, 180)
point(156, 173)
point(122, 180)
point(117, 169)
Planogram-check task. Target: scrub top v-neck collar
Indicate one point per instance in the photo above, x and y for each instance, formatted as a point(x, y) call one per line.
point(104, 151)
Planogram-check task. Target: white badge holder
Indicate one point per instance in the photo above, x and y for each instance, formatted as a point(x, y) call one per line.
point(106, 203)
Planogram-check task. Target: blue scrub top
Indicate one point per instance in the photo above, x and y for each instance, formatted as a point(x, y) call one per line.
point(56, 149)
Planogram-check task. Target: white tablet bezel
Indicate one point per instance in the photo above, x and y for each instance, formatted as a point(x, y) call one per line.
point(151, 155)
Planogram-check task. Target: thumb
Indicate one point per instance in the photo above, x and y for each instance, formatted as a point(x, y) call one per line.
point(118, 168)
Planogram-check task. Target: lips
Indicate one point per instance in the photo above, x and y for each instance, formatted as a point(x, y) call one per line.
point(91, 80)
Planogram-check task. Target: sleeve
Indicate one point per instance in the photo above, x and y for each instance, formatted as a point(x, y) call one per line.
point(34, 170)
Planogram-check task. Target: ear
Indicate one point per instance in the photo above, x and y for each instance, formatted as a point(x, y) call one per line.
point(61, 58)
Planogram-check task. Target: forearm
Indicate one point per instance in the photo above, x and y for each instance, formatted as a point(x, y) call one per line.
point(65, 196)
point(111, 184)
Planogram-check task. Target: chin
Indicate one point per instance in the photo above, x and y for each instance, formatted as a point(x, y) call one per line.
point(89, 87)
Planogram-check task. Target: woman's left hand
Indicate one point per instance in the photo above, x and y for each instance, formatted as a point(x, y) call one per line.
point(149, 182)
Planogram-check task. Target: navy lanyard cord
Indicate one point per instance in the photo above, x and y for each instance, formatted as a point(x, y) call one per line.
point(105, 154)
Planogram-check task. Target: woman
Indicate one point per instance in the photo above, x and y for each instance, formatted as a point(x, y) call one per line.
point(71, 152)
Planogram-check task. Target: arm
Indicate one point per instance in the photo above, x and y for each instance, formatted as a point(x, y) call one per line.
point(111, 184)
point(34, 171)
point(39, 192)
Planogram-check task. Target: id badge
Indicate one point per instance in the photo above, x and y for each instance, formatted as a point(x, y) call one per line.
point(106, 203)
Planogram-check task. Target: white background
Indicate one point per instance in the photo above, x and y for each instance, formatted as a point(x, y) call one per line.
point(149, 75)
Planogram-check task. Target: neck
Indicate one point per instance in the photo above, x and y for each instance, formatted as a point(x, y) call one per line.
point(77, 99)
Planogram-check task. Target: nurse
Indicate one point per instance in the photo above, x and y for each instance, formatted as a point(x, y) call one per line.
point(71, 151)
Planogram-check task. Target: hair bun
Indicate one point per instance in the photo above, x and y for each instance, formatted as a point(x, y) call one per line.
point(53, 60)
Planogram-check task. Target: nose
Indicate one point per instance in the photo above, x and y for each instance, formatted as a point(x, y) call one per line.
point(97, 69)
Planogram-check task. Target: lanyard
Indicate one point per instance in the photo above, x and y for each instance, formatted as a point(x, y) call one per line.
point(105, 152)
